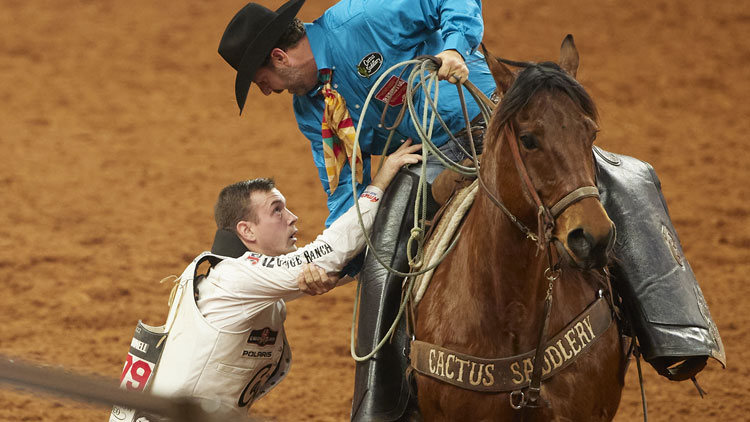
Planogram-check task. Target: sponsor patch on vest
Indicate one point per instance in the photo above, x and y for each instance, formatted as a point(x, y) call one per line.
point(394, 89)
point(370, 64)
point(263, 337)
point(254, 354)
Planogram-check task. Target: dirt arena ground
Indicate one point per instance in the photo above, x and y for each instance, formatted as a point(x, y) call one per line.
point(118, 127)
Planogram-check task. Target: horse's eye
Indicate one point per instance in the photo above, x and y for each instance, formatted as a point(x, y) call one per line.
point(529, 141)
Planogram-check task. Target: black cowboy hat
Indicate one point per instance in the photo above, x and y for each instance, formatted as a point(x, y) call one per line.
point(249, 39)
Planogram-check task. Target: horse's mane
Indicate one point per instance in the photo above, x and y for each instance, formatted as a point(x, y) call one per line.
point(546, 76)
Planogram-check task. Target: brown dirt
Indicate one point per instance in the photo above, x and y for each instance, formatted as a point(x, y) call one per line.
point(118, 128)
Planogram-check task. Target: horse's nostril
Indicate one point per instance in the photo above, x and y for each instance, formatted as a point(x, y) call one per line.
point(589, 252)
point(580, 243)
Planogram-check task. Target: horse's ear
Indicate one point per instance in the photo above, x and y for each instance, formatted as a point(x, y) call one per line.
point(503, 76)
point(569, 56)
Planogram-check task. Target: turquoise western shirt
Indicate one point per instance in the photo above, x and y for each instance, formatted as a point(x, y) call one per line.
point(361, 39)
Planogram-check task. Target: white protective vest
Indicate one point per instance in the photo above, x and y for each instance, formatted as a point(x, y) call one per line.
point(229, 370)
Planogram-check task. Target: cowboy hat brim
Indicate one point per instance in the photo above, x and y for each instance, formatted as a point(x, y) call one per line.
point(259, 48)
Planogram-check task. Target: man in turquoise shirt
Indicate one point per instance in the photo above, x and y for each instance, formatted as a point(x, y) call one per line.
point(358, 41)
point(387, 33)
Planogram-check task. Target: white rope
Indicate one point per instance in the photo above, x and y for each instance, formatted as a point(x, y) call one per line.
point(426, 71)
point(425, 135)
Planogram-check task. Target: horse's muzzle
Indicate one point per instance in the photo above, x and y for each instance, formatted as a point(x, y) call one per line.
point(588, 251)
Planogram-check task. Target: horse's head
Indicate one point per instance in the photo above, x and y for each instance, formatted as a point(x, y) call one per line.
point(553, 122)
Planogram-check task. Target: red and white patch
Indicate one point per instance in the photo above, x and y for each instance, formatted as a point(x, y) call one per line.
point(369, 195)
point(136, 373)
point(396, 88)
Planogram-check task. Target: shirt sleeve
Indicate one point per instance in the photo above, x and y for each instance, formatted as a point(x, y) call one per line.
point(461, 25)
point(459, 22)
point(259, 280)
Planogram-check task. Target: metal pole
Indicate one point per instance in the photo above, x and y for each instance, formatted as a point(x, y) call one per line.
point(103, 391)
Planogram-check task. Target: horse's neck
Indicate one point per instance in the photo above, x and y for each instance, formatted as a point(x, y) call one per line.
point(506, 254)
point(493, 284)
point(510, 269)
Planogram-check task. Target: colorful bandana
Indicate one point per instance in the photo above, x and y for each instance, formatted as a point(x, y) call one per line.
point(338, 133)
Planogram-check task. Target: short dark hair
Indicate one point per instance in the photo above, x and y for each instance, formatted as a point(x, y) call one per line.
point(234, 202)
point(294, 32)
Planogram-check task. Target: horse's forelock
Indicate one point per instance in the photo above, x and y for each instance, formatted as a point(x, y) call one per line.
point(545, 76)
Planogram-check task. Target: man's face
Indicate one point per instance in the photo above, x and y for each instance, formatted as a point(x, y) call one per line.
point(275, 231)
point(279, 77)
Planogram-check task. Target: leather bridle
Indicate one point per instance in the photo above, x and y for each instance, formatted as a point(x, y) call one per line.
point(546, 215)
point(545, 226)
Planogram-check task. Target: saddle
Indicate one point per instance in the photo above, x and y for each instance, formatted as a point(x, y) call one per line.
point(448, 183)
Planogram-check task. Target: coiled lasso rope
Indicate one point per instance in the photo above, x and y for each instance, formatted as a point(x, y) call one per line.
point(423, 75)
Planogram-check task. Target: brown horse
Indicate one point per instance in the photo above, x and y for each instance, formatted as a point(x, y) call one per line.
point(486, 300)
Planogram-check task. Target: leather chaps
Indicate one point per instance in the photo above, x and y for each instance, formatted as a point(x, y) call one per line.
point(661, 297)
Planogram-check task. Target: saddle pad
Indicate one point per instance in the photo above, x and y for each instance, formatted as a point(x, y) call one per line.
point(454, 213)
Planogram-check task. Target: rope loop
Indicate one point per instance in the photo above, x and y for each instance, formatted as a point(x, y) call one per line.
point(423, 75)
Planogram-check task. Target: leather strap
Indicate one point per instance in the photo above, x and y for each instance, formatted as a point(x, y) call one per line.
point(513, 373)
point(572, 198)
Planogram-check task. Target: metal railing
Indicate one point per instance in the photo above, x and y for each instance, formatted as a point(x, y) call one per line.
point(105, 392)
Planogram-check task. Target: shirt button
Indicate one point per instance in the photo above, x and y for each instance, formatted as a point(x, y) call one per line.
point(356, 105)
point(335, 85)
point(380, 125)
point(333, 67)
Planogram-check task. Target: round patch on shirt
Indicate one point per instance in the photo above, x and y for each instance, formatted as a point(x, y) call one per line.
point(370, 64)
